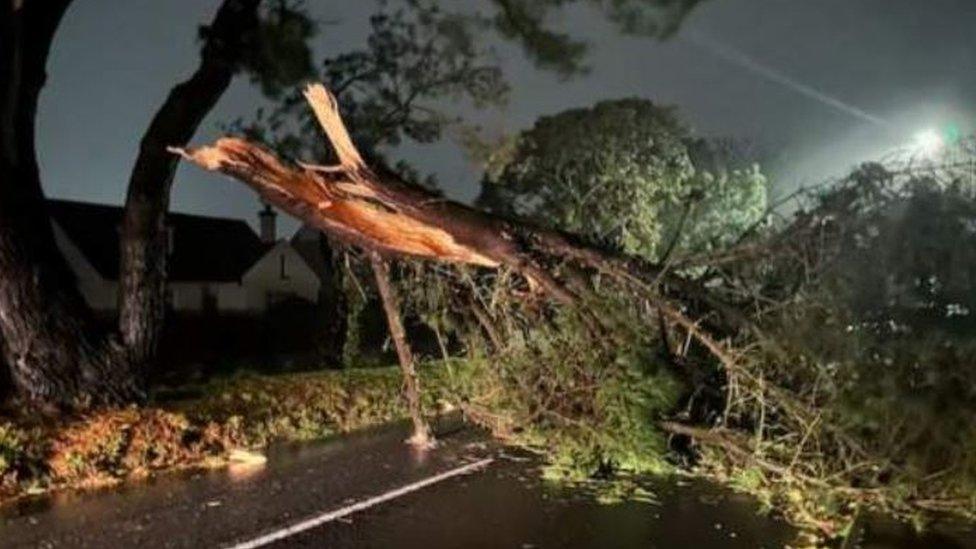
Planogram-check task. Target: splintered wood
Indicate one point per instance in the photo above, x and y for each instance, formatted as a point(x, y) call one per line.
point(347, 200)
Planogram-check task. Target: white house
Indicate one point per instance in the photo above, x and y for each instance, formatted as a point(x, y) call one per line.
point(281, 273)
point(215, 264)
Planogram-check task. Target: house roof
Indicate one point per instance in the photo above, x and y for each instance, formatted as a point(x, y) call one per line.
point(204, 248)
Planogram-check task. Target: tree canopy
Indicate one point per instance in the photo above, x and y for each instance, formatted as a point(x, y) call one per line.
point(527, 22)
point(626, 173)
point(419, 53)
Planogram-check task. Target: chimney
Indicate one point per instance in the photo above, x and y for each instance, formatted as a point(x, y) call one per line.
point(268, 231)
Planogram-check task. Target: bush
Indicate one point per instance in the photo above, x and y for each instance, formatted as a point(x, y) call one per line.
point(860, 388)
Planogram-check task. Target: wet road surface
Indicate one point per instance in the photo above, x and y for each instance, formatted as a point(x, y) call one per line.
point(504, 504)
point(215, 508)
point(508, 505)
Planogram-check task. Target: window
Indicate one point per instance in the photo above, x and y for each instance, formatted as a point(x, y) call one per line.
point(281, 265)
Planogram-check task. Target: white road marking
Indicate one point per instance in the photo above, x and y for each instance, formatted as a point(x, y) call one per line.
point(330, 516)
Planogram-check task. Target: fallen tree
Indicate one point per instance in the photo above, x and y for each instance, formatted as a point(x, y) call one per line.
point(371, 209)
point(374, 209)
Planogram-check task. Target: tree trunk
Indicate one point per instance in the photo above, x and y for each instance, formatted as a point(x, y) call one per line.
point(50, 342)
point(422, 436)
point(380, 212)
point(144, 239)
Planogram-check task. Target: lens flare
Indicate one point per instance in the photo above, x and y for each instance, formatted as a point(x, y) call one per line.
point(929, 143)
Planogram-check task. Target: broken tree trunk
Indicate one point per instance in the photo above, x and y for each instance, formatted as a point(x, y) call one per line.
point(422, 436)
point(378, 211)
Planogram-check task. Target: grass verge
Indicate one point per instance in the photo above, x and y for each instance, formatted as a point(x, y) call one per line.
point(199, 426)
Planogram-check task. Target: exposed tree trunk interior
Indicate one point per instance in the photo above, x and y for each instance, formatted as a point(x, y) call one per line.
point(422, 436)
point(380, 212)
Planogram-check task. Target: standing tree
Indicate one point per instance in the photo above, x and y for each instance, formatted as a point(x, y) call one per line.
point(626, 173)
point(56, 352)
point(50, 343)
point(272, 46)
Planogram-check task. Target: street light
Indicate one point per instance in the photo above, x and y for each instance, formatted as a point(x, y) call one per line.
point(928, 143)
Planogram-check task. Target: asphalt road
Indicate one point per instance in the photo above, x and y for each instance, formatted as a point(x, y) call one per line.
point(216, 508)
point(371, 490)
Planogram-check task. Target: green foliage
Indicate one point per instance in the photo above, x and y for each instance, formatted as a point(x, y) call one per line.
point(894, 331)
point(267, 41)
point(606, 399)
point(416, 53)
point(279, 56)
point(728, 198)
point(302, 406)
point(860, 390)
point(627, 173)
point(22, 457)
point(909, 265)
point(589, 398)
point(12, 443)
point(109, 446)
point(527, 22)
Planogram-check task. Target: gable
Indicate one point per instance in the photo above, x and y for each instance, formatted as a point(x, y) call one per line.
point(269, 268)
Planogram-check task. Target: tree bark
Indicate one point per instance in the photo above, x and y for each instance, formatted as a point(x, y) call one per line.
point(50, 343)
point(422, 436)
point(144, 239)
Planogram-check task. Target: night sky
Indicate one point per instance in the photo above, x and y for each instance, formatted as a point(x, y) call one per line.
point(815, 85)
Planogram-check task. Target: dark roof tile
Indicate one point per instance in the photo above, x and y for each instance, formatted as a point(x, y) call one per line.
point(204, 248)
